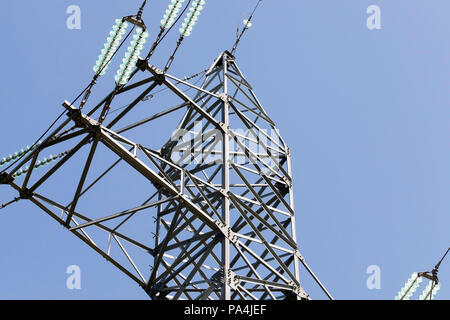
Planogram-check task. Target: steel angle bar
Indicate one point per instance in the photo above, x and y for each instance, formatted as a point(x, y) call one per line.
point(236, 227)
point(303, 262)
point(95, 181)
point(199, 237)
point(253, 271)
point(187, 244)
point(120, 138)
point(203, 182)
point(256, 264)
point(248, 292)
point(161, 171)
point(206, 293)
point(135, 85)
point(118, 92)
point(204, 266)
point(164, 244)
point(250, 266)
point(27, 158)
point(241, 82)
point(187, 224)
point(123, 213)
point(288, 262)
point(148, 173)
point(258, 115)
point(278, 150)
point(63, 138)
point(215, 63)
point(171, 273)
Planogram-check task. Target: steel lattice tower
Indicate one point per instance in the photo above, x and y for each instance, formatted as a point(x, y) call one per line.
point(222, 191)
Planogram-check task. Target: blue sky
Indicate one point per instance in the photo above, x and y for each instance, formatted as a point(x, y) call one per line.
point(365, 112)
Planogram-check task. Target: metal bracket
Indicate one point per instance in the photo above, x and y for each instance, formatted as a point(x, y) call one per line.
point(25, 193)
point(3, 180)
point(136, 22)
point(156, 292)
point(232, 279)
point(282, 188)
point(224, 127)
point(299, 291)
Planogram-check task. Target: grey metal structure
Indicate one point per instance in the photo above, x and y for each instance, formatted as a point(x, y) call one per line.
point(220, 187)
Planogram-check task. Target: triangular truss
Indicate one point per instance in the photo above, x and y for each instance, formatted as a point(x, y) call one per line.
point(220, 189)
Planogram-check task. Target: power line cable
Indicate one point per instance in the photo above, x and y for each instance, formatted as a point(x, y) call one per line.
point(247, 25)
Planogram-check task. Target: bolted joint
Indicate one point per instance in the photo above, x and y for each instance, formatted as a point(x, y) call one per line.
point(25, 194)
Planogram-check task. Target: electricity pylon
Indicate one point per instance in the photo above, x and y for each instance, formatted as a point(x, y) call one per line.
point(225, 225)
point(220, 187)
